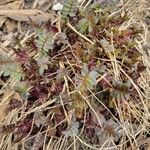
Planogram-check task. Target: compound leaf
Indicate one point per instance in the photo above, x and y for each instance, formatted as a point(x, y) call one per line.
point(9, 67)
point(69, 8)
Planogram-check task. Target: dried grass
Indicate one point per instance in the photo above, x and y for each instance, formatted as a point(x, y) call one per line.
point(136, 9)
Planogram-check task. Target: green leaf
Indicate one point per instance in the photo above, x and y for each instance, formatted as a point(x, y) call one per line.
point(84, 70)
point(9, 67)
point(69, 8)
point(94, 74)
point(72, 130)
point(121, 90)
point(87, 80)
point(83, 25)
point(21, 87)
point(107, 46)
point(44, 40)
point(43, 62)
point(7, 73)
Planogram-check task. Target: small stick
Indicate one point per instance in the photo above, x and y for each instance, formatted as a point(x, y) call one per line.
point(84, 37)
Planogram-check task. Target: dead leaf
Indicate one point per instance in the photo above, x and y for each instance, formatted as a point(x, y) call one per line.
point(7, 39)
point(79, 104)
point(10, 25)
point(6, 43)
point(40, 119)
point(26, 12)
point(2, 20)
point(79, 113)
point(8, 5)
point(26, 15)
point(52, 132)
point(56, 110)
point(2, 112)
point(37, 19)
point(28, 144)
point(40, 2)
point(2, 2)
point(100, 120)
point(39, 139)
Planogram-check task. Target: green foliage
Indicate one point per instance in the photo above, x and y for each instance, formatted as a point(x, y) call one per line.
point(83, 25)
point(121, 90)
point(72, 130)
point(44, 40)
point(87, 79)
point(129, 55)
point(10, 67)
point(21, 87)
point(69, 8)
point(42, 63)
point(107, 46)
point(44, 43)
point(79, 68)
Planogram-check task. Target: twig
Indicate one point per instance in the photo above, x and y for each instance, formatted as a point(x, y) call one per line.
point(84, 37)
point(21, 12)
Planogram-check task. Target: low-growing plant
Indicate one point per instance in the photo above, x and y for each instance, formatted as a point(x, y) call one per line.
point(77, 80)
